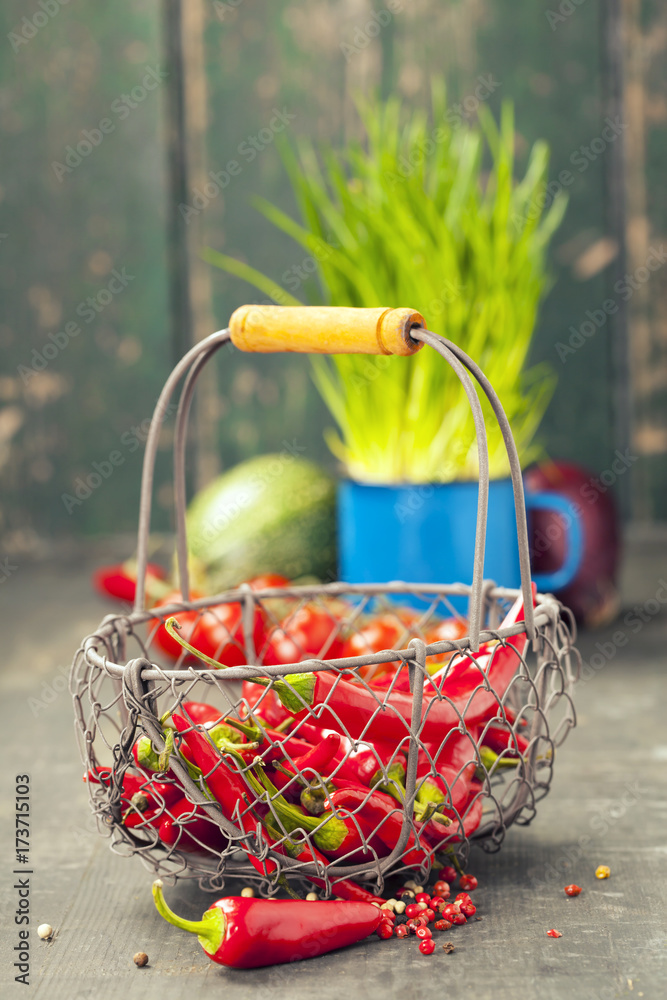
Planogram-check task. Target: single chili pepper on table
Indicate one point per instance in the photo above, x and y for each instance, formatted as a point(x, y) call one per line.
point(120, 581)
point(245, 933)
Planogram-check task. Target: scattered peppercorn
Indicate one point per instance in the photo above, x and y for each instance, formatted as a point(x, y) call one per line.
point(554, 933)
point(448, 947)
point(468, 882)
point(468, 909)
point(448, 873)
point(572, 890)
point(249, 892)
point(140, 959)
point(422, 897)
point(459, 918)
point(402, 931)
point(602, 871)
point(427, 946)
point(385, 930)
point(442, 925)
point(45, 931)
point(441, 887)
point(412, 910)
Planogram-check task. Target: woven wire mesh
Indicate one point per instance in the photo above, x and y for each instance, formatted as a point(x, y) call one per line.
point(124, 684)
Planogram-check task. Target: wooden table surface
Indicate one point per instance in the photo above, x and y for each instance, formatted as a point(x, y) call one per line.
point(608, 805)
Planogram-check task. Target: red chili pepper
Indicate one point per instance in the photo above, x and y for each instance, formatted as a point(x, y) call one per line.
point(246, 933)
point(201, 713)
point(341, 701)
point(225, 784)
point(365, 766)
point(265, 703)
point(319, 757)
point(120, 581)
point(385, 818)
point(500, 739)
point(307, 853)
point(188, 828)
point(437, 835)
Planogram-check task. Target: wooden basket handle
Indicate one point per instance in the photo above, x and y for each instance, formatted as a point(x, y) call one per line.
point(325, 329)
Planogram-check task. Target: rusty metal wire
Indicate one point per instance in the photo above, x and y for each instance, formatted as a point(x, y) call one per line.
point(438, 701)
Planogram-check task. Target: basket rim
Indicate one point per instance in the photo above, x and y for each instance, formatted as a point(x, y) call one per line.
point(547, 611)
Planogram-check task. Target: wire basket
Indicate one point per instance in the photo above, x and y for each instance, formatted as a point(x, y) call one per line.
point(449, 742)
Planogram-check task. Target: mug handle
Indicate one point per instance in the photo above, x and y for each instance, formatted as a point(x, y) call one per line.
point(561, 577)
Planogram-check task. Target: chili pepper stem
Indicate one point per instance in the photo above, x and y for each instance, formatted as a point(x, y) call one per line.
point(210, 929)
point(296, 691)
point(171, 625)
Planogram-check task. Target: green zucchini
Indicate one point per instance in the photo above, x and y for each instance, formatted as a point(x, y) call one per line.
point(271, 514)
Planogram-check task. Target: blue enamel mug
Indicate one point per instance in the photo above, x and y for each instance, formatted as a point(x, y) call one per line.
point(426, 534)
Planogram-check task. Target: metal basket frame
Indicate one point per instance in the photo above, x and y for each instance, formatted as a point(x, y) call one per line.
point(546, 669)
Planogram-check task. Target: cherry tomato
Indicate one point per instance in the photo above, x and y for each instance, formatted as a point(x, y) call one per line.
point(309, 631)
point(216, 631)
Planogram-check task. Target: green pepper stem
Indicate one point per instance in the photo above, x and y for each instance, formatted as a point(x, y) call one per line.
point(171, 625)
point(210, 929)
